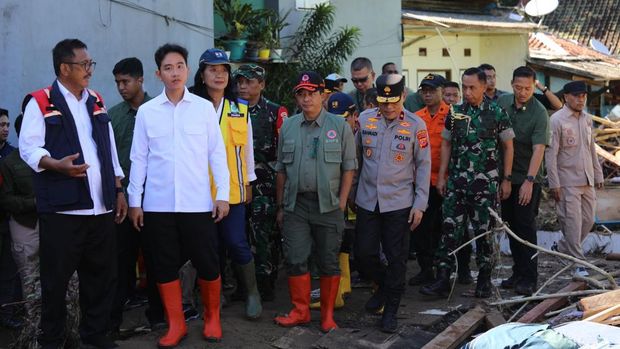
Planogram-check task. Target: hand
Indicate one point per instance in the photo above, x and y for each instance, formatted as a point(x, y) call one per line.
point(352, 205)
point(220, 210)
point(555, 193)
point(441, 186)
point(539, 85)
point(504, 190)
point(280, 217)
point(121, 208)
point(136, 215)
point(66, 166)
point(599, 185)
point(248, 194)
point(415, 217)
point(525, 193)
point(343, 205)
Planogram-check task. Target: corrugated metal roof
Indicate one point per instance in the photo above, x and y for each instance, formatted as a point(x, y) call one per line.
point(466, 21)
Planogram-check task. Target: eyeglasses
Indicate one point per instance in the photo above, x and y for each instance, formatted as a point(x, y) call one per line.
point(87, 65)
point(359, 80)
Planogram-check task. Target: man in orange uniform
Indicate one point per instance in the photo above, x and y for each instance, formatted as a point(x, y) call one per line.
point(427, 234)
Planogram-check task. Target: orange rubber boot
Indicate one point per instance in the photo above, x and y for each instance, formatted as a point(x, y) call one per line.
point(210, 292)
point(299, 290)
point(170, 293)
point(329, 291)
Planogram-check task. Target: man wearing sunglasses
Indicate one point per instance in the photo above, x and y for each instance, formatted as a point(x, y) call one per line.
point(267, 118)
point(362, 77)
point(393, 152)
point(67, 139)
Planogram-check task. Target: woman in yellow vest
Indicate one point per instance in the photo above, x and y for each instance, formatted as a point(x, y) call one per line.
point(213, 81)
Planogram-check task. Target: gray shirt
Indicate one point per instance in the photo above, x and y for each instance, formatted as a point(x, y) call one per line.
point(310, 133)
point(394, 162)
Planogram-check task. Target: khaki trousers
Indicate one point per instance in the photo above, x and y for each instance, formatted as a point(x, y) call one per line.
point(576, 210)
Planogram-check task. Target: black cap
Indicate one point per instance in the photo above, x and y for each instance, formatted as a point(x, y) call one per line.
point(310, 81)
point(433, 80)
point(390, 88)
point(575, 87)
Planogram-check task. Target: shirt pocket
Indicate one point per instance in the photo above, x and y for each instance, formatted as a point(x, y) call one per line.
point(333, 152)
point(288, 152)
point(401, 151)
point(238, 130)
point(570, 138)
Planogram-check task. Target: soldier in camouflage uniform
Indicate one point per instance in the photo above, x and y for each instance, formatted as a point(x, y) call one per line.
point(267, 117)
point(470, 145)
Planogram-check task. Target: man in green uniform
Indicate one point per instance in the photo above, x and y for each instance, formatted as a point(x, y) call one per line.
point(470, 145)
point(316, 162)
point(267, 118)
point(530, 122)
point(128, 75)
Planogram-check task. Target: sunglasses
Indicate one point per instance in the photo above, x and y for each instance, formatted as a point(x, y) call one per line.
point(359, 80)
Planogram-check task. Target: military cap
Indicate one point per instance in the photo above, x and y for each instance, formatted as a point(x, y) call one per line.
point(390, 88)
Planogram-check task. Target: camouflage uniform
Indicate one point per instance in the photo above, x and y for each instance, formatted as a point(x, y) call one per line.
point(473, 177)
point(263, 234)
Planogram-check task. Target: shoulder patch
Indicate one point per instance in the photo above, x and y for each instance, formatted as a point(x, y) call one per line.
point(422, 137)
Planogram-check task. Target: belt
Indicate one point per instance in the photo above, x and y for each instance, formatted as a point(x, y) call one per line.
point(310, 195)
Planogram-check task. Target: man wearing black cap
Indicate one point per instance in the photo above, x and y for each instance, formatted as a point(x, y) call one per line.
point(391, 193)
point(573, 170)
point(267, 118)
point(470, 146)
point(428, 233)
point(316, 162)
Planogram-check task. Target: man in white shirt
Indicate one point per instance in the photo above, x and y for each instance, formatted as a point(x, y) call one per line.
point(176, 144)
point(68, 141)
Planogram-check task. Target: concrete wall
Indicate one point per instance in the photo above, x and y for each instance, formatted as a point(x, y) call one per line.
point(504, 52)
point(379, 22)
point(30, 29)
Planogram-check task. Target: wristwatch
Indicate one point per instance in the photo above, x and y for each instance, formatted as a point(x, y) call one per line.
point(530, 179)
point(508, 178)
point(119, 190)
point(545, 90)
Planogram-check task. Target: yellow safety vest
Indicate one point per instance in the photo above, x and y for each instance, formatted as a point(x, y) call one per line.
point(234, 127)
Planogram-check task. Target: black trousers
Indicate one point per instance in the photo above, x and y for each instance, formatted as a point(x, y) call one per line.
point(391, 231)
point(10, 285)
point(86, 244)
point(522, 221)
point(176, 237)
point(129, 243)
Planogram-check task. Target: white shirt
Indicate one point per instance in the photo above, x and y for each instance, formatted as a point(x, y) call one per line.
point(32, 145)
point(249, 147)
point(173, 150)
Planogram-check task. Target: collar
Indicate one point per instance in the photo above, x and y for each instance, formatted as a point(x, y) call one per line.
point(66, 93)
point(526, 106)
point(319, 120)
point(571, 112)
point(163, 98)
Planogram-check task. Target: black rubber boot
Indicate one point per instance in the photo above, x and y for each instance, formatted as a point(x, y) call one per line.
point(464, 273)
point(439, 288)
point(376, 302)
point(483, 285)
point(389, 322)
point(425, 276)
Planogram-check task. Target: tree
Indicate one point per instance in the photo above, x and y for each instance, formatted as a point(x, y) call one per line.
point(314, 46)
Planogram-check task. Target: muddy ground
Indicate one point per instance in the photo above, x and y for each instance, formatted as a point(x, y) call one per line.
point(415, 326)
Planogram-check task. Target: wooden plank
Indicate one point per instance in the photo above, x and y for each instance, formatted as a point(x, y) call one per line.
point(605, 314)
point(539, 311)
point(606, 300)
point(456, 333)
point(606, 155)
point(493, 319)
